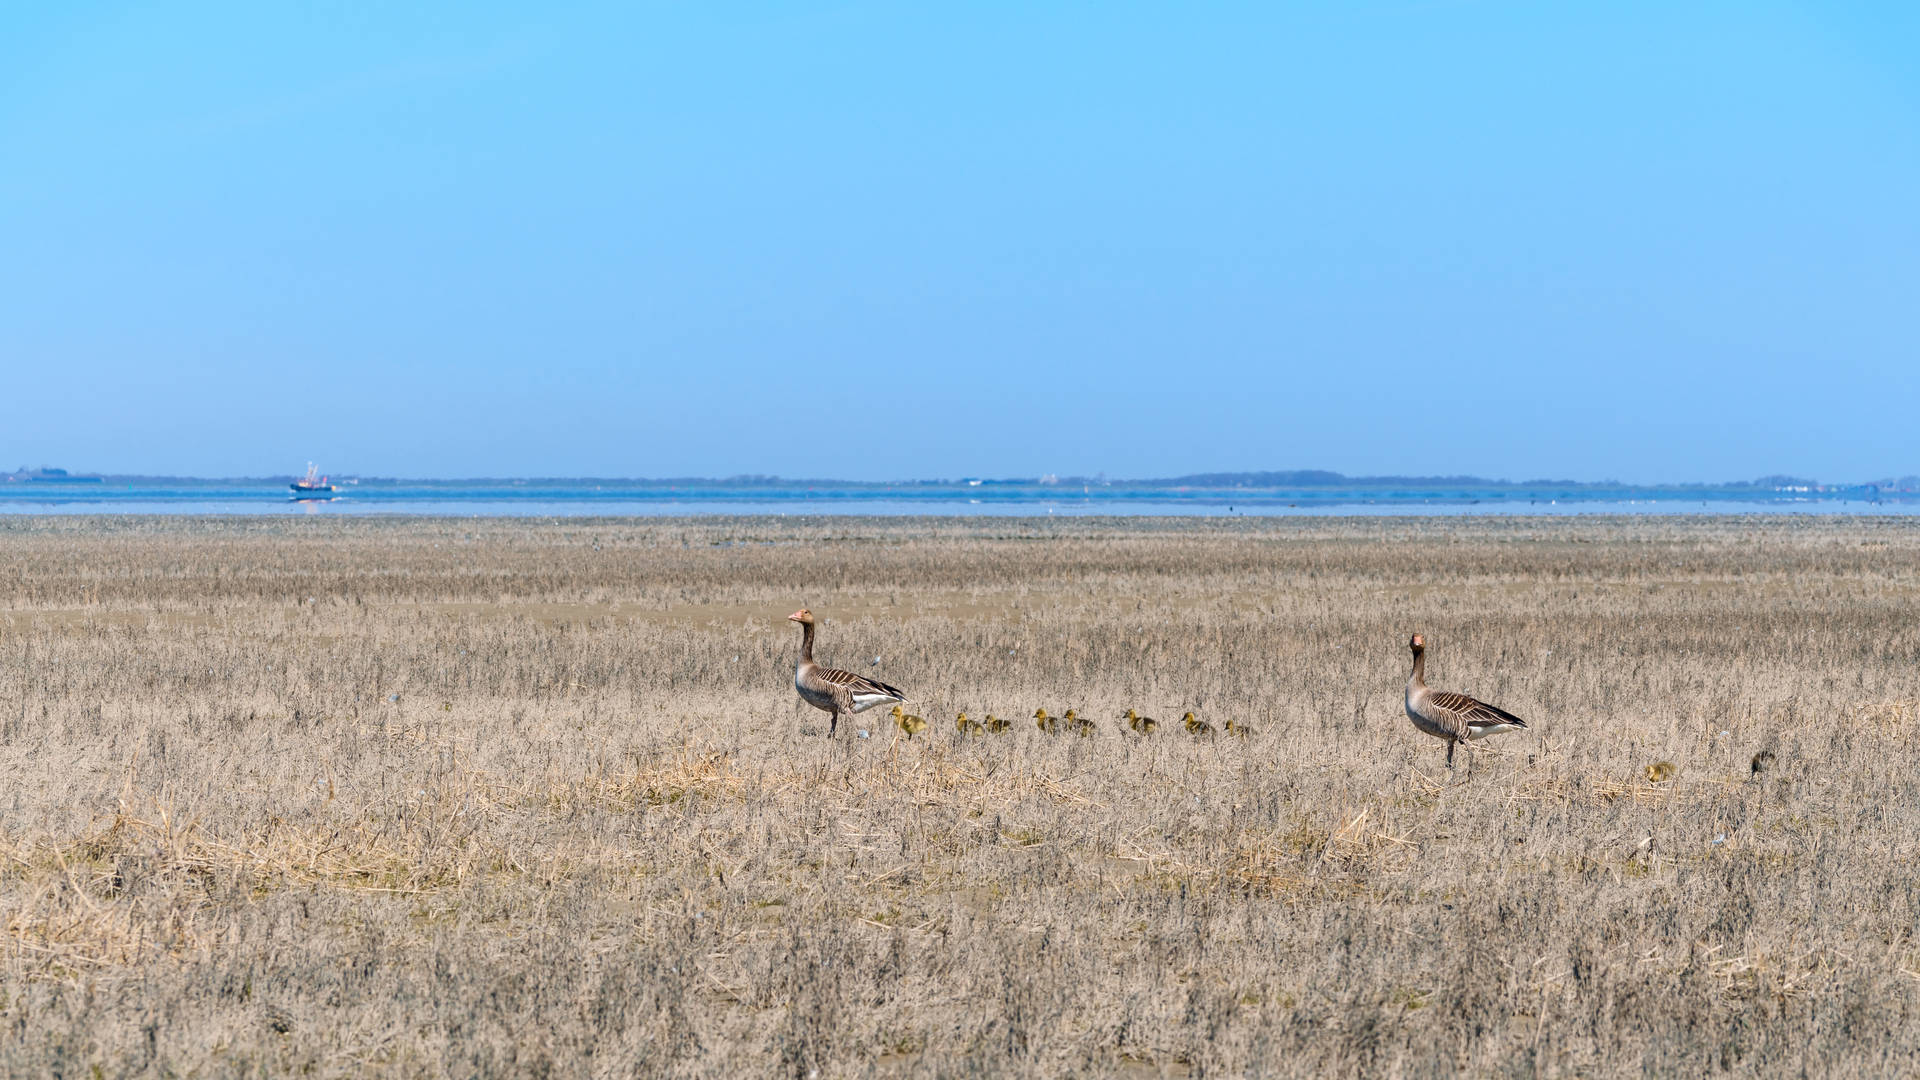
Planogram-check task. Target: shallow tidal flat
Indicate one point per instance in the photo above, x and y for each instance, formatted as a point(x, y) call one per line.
point(502, 797)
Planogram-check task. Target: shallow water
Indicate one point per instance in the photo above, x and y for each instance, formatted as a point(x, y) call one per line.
point(564, 498)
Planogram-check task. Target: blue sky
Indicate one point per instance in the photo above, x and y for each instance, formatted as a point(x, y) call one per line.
point(1646, 241)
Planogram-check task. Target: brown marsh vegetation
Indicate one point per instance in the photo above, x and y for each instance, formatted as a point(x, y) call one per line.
point(438, 797)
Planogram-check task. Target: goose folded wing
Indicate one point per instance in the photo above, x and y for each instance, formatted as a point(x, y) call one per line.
point(1470, 711)
point(859, 686)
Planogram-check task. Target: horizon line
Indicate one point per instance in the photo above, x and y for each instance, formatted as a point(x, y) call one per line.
point(1252, 478)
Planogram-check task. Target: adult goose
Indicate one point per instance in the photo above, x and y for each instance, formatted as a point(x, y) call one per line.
point(839, 693)
point(1444, 714)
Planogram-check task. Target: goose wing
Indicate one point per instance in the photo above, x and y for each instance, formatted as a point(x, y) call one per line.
point(1470, 712)
point(859, 687)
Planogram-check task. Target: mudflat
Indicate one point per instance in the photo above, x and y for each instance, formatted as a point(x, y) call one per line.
point(429, 796)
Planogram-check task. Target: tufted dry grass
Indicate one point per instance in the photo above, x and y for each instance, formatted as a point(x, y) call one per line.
point(434, 797)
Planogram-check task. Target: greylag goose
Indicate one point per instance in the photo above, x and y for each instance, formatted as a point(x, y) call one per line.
point(839, 693)
point(909, 723)
point(1197, 728)
point(1444, 714)
point(1143, 725)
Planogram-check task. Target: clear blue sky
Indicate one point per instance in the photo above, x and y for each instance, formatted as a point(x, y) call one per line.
point(866, 240)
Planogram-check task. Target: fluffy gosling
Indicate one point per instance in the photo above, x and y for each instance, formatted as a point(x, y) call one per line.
point(1048, 724)
point(1141, 725)
point(909, 723)
point(1241, 730)
point(1078, 724)
point(1197, 728)
point(997, 725)
point(966, 725)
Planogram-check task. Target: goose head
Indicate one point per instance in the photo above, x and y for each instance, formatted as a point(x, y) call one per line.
point(803, 617)
point(1418, 644)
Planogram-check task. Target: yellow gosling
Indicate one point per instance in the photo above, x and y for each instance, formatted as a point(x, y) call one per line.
point(909, 723)
point(997, 725)
point(1199, 729)
point(1142, 725)
point(1241, 730)
point(966, 725)
point(1044, 722)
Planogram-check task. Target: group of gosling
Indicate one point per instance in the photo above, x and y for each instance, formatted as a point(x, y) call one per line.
point(1072, 721)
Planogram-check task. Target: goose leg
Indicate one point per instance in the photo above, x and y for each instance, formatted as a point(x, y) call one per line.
point(833, 721)
point(1450, 746)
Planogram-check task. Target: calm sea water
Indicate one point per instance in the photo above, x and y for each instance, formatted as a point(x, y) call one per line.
point(560, 499)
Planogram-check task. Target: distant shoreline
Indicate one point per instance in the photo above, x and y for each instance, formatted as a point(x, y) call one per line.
point(1299, 480)
point(662, 499)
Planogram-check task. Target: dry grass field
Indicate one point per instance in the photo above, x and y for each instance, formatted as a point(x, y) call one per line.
point(499, 798)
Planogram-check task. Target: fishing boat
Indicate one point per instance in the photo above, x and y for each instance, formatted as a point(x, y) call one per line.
point(312, 484)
